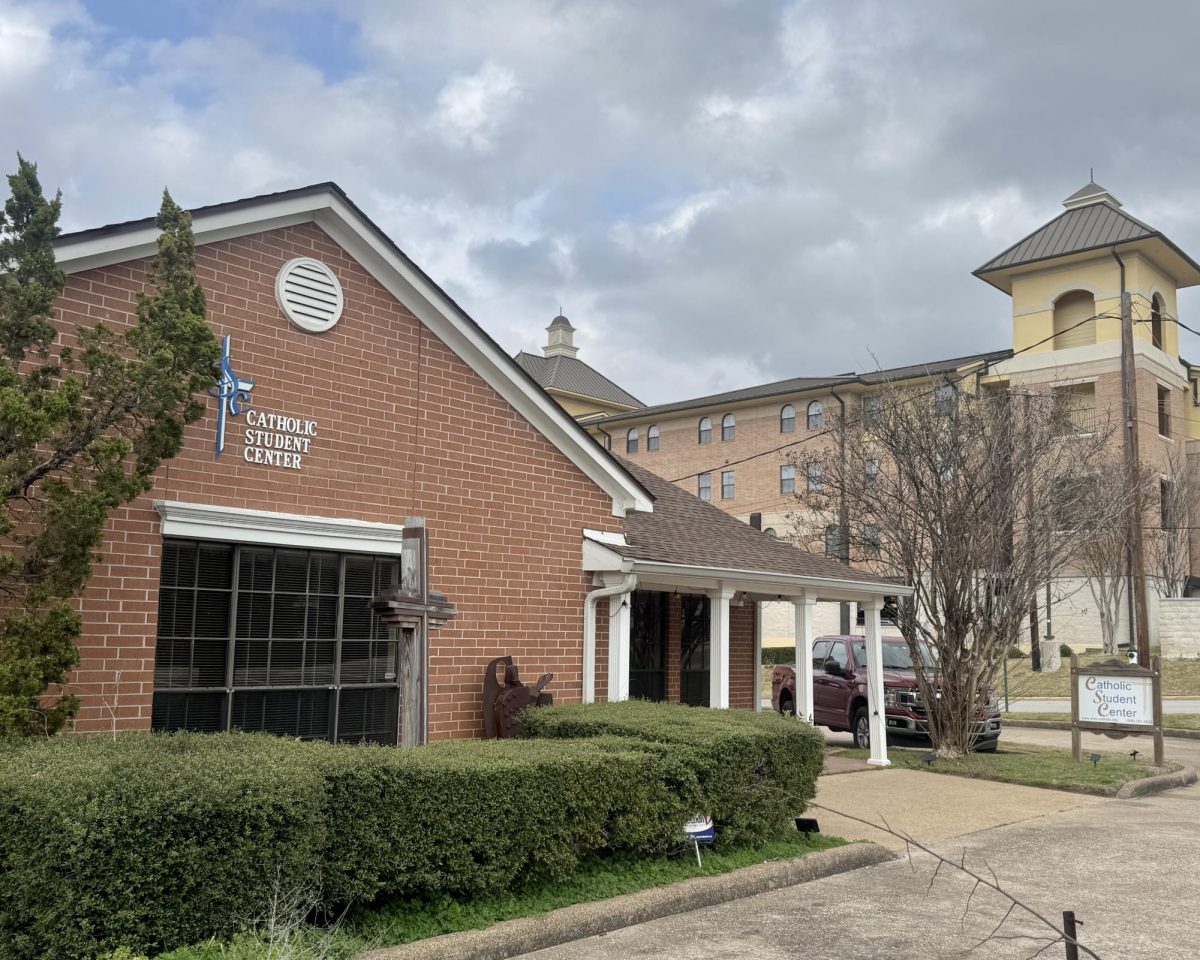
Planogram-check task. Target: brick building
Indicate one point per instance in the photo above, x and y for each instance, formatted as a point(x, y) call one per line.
point(354, 395)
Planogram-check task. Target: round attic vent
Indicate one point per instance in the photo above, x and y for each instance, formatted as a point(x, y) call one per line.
point(309, 294)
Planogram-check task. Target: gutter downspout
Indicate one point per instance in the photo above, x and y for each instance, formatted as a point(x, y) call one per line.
point(843, 510)
point(627, 585)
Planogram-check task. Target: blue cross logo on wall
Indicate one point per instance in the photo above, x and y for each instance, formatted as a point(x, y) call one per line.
point(231, 393)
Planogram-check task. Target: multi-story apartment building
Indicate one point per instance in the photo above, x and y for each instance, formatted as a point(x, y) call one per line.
point(1065, 280)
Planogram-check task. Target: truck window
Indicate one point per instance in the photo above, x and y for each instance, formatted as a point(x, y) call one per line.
point(820, 652)
point(838, 654)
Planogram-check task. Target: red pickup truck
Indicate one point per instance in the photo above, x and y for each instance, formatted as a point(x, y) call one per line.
point(840, 692)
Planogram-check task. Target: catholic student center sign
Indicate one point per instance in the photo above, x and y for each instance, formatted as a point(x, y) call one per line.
point(1108, 699)
point(1116, 699)
point(274, 439)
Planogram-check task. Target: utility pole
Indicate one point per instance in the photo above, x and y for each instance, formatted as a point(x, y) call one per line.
point(1137, 564)
point(1035, 647)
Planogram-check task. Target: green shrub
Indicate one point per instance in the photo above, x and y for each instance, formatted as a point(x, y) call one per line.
point(756, 771)
point(155, 841)
point(1016, 653)
point(1065, 650)
point(773, 656)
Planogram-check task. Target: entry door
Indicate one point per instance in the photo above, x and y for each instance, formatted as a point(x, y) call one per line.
point(694, 652)
point(648, 646)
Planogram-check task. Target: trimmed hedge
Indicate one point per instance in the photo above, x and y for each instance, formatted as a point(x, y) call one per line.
point(154, 841)
point(157, 841)
point(756, 770)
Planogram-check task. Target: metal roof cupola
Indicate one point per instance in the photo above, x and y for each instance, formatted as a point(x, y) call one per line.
point(561, 342)
point(1090, 192)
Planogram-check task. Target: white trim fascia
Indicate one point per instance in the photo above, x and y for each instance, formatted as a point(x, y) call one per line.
point(195, 521)
point(429, 304)
point(787, 583)
point(598, 558)
point(605, 536)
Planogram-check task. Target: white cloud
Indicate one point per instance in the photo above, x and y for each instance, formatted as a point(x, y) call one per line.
point(715, 192)
point(472, 108)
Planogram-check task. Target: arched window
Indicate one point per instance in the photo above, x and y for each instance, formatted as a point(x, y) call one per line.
point(631, 441)
point(1074, 320)
point(833, 540)
point(787, 478)
point(1156, 328)
point(770, 532)
point(728, 427)
point(813, 476)
point(787, 419)
point(652, 438)
point(704, 434)
point(816, 415)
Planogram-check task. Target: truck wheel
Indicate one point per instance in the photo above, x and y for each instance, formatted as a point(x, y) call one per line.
point(787, 706)
point(862, 729)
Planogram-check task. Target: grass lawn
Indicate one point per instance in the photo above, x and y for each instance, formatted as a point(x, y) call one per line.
point(1181, 678)
point(1033, 767)
point(1172, 721)
point(398, 923)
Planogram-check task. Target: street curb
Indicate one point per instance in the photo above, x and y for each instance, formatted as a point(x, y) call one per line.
point(511, 938)
point(1164, 781)
point(1065, 725)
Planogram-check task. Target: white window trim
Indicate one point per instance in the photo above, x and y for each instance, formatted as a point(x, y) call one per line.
point(194, 521)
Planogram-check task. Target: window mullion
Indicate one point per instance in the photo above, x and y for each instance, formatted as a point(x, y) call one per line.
point(337, 647)
point(231, 643)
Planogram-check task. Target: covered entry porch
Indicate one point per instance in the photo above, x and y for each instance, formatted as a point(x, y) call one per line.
point(681, 587)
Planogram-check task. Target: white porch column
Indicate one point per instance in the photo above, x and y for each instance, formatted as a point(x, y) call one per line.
point(875, 707)
point(620, 619)
point(804, 608)
point(718, 650)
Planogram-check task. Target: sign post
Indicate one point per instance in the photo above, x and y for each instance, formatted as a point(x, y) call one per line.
point(1117, 699)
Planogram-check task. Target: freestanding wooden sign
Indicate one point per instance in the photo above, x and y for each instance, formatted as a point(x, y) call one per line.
point(1117, 699)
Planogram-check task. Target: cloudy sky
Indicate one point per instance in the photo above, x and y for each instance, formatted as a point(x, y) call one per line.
point(717, 193)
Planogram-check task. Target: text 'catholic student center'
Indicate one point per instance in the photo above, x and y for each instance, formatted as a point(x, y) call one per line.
point(379, 501)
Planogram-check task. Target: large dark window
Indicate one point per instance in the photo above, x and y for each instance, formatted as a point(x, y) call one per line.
point(648, 646)
point(274, 639)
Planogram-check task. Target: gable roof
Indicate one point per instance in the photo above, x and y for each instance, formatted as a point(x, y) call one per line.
point(572, 375)
point(327, 206)
point(687, 531)
point(781, 388)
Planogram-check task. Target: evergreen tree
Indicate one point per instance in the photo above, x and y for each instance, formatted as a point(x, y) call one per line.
point(86, 416)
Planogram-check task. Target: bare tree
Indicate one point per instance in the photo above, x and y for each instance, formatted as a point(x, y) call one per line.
point(973, 499)
point(1170, 545)
point(1103, 554)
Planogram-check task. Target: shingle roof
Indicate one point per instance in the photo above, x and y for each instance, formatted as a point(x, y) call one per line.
point(683, 529)
point(572, 375)
point(1073, 231)
point(800, 384)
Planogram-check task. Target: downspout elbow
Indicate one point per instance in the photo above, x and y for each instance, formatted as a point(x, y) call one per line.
point(627, 585)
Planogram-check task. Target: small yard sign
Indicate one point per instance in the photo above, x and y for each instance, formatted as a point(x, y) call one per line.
point(1117, 699)
point(700, 829)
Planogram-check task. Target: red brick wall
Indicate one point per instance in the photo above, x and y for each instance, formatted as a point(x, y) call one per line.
point(743, 673)
point(405, 429)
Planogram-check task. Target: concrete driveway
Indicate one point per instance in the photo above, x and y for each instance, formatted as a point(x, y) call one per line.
point(1128, 868)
